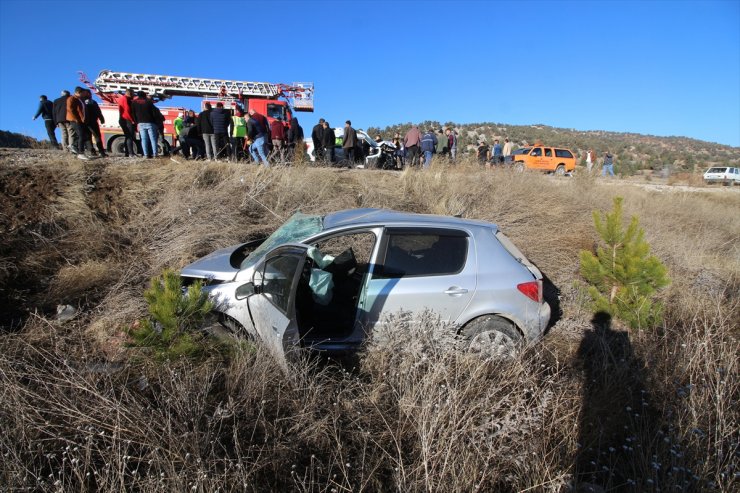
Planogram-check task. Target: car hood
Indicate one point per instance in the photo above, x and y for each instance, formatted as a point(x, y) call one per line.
point(216, 265)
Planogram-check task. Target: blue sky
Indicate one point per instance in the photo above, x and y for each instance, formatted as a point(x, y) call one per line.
point(661, 68)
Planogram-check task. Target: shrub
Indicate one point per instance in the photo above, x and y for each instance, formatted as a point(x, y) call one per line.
point(623, 275)
point(176, 316)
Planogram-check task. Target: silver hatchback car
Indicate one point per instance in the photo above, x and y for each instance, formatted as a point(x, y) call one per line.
point(326, 281)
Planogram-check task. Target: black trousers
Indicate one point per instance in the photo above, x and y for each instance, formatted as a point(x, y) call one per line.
point(50, 128)
point(412, 155)
point(318, 150)
point(129, 134)
point(222, 146)
point(82, 137)
point(94, 131)
point(328, 154)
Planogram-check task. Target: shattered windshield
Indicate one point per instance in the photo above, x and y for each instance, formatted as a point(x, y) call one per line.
point(294, 230)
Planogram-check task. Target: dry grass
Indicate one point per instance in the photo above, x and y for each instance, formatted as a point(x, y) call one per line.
point(589, 404)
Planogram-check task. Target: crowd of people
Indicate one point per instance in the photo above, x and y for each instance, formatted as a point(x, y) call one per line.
point(213, 134)
point(235, 135)
point(223, 134)
point(78, 118)
point(415, 149)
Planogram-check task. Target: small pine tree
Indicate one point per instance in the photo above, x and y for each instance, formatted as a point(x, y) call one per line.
point(179, 315)
point(623, 276)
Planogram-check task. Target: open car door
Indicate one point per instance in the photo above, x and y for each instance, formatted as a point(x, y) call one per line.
point(272, 306)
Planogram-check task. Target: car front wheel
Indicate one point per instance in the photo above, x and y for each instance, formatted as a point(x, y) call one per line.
point(492, 336)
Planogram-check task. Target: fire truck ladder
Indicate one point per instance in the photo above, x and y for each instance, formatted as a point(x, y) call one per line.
point(166, 86)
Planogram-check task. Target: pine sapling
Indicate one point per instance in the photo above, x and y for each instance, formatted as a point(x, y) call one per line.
point(176, 316)
point(623, 276)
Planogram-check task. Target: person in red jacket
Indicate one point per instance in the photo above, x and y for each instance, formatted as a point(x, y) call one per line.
point(277, 133)
point(126, 121)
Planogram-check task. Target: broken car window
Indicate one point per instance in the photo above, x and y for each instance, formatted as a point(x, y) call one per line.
point(294, 230)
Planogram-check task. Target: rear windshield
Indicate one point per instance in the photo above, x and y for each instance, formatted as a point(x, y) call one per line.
point(717, 170)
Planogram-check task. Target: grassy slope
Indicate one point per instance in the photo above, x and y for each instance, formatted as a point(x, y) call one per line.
point(627, 413)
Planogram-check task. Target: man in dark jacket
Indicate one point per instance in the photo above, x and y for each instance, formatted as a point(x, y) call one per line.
point(159, 122)
point(60, 118)
point(145, 116)
point(317, 135)
point(220, 121)
point(349, 142)
point(206, 130)
point(46, 111)
point(257, 131)
point(428, 145)
point(192, 143)
point(295, 140)
point(93, 118)
point(328, 140)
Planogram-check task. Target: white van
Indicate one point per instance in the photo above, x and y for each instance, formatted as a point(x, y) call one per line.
point(722, 174)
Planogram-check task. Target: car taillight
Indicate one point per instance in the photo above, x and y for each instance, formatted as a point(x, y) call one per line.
point(532, 290)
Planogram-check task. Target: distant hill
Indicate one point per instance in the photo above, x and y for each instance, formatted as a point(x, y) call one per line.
point(12, 139)
point(633, 151)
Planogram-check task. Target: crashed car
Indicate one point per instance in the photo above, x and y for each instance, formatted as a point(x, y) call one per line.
point(371, 154)
point(325, 282)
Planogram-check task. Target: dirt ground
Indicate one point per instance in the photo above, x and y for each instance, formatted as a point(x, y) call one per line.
point(39, 221)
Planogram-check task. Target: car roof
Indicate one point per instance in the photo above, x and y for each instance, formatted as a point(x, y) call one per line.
point(370, 216)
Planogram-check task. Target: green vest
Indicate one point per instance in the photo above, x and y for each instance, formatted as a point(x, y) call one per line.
point(178, 125)
point(240, 126)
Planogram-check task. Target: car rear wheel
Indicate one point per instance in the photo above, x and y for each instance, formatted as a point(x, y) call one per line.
point(519, 166)
point(560, 170)
point(492, 336)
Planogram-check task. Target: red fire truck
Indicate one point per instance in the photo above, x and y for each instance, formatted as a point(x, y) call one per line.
point(275, 101)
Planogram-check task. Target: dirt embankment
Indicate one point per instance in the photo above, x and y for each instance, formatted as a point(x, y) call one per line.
point(49, 215)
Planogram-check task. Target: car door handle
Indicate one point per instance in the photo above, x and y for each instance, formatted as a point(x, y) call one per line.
point(456, 290)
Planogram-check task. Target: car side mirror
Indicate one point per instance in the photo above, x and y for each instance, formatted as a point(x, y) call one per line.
point(246, 290)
